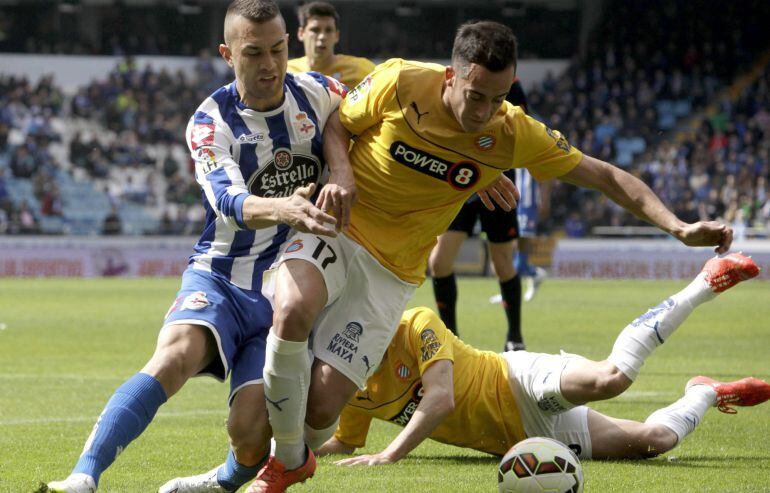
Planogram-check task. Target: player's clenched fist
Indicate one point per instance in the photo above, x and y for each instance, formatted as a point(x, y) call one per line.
point(298, 212)
point(707, 233)
point(337, 197)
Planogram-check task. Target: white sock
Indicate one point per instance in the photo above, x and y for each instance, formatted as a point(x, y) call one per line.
point(684, 415)
point(315, 438)
point(640, 338)
point(287, 379)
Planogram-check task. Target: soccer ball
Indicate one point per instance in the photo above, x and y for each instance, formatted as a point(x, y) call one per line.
point(539, 465)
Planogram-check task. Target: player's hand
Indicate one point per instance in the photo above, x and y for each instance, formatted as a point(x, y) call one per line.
point(337, 198)
point(706, 233)
point(365, 460)
point(298, 212)
point(502, 191)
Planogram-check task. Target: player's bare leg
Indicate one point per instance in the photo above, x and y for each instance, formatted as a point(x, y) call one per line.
point(249, 431)
point(300, 295)
point(181, 352)
point(585, 381)
point(441, 263)
point(664, 429)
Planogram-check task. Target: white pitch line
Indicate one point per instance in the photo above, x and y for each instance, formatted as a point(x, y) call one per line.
point(80, 419)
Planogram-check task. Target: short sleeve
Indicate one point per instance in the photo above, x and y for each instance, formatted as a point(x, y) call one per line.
point(363, 106)
point(430, 338)
point(543, 151)
point(353, 427)
point(325, 93)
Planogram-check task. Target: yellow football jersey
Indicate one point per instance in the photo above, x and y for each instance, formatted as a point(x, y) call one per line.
point(414, 165)
point(350, 70)
point(485, 417)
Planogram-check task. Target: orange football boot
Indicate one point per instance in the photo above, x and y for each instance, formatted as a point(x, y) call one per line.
point(274, 478)
point(722, 273)
point(747, 391)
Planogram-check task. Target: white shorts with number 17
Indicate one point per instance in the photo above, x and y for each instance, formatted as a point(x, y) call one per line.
point(364, 307)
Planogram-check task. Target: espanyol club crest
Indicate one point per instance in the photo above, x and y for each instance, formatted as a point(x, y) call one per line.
point(283, 158)
point(295, 246)
point(304, 126)
point(485, 142)
point(402, 372)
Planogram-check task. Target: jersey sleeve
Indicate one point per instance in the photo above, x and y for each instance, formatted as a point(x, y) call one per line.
point(216, 169)
point(353, 427)
point(429, 338)
point(296, 65)
point(325, 94)
point(364, 67)
point(364, 105)
point(543, 151)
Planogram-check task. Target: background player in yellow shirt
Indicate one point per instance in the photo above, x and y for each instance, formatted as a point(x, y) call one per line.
point(319, 32)
point(437, 387)
point(428, 137)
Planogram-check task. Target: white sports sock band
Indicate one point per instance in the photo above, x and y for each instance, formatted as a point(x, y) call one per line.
point(640, 338)
point(315, 438)
point(287, 380)
point(684, 415)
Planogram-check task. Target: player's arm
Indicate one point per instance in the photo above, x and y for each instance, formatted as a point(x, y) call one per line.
point(436, 404)
point(502, 192)
point(218, 173)
point(340, 193)
point(635, 196)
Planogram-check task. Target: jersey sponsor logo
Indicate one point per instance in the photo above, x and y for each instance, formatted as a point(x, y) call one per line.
point(460, 175)
point(561, 141)
point(195, 301)
point(485, 142)
point(284, 174)
point(174, 306)
point(202, 134)
point(429, 344)
point(402, 372)
point(335, 86)
point(358, 93)
point(403, 417)
point(304, 126)
point(252, 138)
point(295, 246)
point(413, 105)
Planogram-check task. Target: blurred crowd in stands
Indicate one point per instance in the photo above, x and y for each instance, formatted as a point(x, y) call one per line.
point(685, 107)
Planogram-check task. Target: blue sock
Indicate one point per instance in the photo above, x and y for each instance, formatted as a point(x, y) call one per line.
point(126, 415)
point(232, 474)
point(521, 264)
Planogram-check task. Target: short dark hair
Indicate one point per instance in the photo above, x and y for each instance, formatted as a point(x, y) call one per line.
point(489, 44)
point(254, 10)
point(317, 9)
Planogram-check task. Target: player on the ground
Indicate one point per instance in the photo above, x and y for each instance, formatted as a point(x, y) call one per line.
point(428, 137)
point(437, 387)
point(258, 157)
point(502, 230)
point(319, 31)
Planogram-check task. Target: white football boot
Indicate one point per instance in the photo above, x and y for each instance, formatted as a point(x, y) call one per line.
point(75, 483)
point(533, 283)
point(202, 483)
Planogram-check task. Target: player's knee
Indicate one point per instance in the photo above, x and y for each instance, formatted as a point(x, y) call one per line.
point(656, 439)
point(293, 318)
point(440, 267)
point(609, 382)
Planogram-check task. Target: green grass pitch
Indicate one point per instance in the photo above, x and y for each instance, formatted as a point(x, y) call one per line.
point(65, 345)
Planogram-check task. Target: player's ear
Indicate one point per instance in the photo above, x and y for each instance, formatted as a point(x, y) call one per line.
point(300, 33)
point(226, 53)
point(449, 75)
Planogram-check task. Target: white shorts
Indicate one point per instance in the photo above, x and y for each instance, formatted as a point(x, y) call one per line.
point(364, 307)
point(525, 371)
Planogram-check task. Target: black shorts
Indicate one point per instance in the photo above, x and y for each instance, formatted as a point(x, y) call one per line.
point(499, 226)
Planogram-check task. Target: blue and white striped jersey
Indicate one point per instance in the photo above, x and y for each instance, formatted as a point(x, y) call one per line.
point(239, 151)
